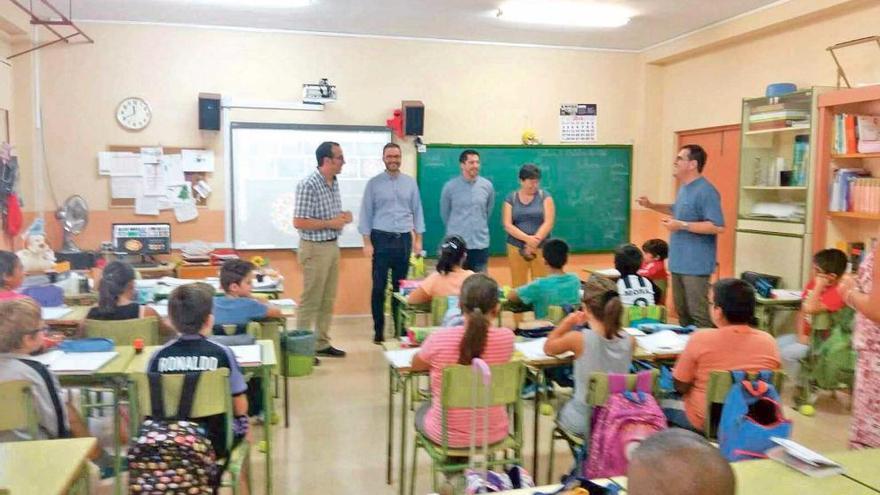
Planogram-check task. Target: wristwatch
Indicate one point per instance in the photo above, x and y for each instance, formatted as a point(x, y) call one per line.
point(685, 225)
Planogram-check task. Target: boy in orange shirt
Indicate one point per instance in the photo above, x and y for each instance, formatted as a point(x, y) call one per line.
point(734, 345)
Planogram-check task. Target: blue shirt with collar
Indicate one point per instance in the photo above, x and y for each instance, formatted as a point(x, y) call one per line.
point(690, 253)
point(391, 203)
point(465, 206)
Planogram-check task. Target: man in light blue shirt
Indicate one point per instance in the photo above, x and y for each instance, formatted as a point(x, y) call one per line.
point(465, 206)
point(392, 224)
point(696, 221)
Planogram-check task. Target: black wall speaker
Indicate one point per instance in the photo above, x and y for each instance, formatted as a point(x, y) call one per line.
point(209, 112)
point(413, 117)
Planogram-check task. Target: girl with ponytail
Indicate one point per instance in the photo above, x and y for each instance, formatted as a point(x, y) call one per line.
point(460, 345)
point(600, 346)
point(116, 299)
point(450, 275)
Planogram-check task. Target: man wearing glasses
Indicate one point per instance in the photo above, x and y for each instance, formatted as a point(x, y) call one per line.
point(318, 216)
point(694, 227)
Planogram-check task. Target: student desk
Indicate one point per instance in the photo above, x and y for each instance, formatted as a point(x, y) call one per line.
point(70, 320)
point(264, 369)
point(22, 473)
point(605, 271)
point(768, 476)
point(766, 308)
point(112, 375)
point(860, 465)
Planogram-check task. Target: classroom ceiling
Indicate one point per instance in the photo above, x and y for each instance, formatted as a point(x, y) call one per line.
point(654, 21)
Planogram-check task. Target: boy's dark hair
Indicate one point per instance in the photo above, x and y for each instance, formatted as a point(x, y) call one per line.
point(529, 171)
point(8, 262)
point(324, 150)
point(556, 253)
point(627, 259)
point(463, 157)
point(190, 306)
point(832, 261)
point(234, 271)
point(657, 247)
point(736, 299)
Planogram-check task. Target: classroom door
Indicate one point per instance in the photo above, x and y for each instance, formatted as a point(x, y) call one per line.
point(722, 170)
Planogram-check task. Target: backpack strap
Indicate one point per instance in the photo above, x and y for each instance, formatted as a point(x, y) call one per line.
point(157, 399)
point(616, 383)
point(41, 370)
point(626, 281)
point(187, 395)
point(737, 375)
point(644, 382)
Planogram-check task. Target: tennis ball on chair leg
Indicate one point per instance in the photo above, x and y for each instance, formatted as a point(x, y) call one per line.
point(807, 410)
point(546, 409)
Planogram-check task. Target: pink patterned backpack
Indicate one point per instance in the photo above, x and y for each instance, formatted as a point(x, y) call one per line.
point(627, 418)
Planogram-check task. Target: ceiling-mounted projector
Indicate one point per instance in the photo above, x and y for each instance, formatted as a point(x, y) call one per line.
point(322, 92)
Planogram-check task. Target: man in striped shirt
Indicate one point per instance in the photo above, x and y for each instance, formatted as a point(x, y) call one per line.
point(318, 216)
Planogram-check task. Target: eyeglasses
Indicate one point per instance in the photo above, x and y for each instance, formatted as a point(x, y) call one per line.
point(44, 328)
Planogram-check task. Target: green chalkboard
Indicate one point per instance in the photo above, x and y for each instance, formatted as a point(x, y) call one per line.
point(589, 184)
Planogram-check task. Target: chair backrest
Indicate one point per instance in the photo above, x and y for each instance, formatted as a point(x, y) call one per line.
point(719, 385)
point(439, 306)
point(597, 388)
point(123, 332)
point(635, 315)
point(18, 411)
point(212, 394)
point(555, 313)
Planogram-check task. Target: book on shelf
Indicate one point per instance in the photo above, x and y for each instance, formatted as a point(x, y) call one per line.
point(856, 134)
point(841, 190)
point(775, 107)
point(775, 124)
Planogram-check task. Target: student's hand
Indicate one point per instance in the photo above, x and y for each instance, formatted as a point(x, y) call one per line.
point(577, 318)
point(847, 283)
point(822, 280)
point(533, 242)
point(644, 202)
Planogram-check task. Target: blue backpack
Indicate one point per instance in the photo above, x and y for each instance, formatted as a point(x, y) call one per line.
point(751, 415)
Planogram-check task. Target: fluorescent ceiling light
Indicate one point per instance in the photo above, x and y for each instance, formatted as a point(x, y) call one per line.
point(271, 4)
point(563, 13)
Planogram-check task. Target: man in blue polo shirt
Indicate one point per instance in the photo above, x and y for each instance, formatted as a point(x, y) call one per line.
point(466, 204)
point(694, 227)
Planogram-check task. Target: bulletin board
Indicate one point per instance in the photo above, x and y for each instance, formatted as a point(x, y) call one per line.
point(192, 177)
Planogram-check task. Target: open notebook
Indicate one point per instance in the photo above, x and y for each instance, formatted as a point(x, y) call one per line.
point(663, 342)
point(533, 350)
point(248, 354)
point(55, 313)
point(75, 363)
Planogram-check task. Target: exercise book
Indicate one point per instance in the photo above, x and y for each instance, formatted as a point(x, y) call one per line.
point(248, 354)
point(74, 363)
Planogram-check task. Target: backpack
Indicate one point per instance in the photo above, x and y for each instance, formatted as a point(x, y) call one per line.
point(751, 415)
point(172, 455)
point(835, 358)
point(626, 419)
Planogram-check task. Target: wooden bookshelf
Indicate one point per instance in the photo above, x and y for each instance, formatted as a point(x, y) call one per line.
point(829, 227)
point(779, 129)
point(854, 214)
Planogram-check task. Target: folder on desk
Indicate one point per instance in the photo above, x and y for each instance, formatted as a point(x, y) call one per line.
point(75, 363)
point(248, 354)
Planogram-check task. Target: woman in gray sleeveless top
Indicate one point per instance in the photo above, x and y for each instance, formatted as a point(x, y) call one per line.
point(603, 346)
point(528, 215)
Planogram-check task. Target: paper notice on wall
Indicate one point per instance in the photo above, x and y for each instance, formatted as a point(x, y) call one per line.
point(124, 187)
point(119, 163)
point(197, 160)
point(577, 122)
point(153, 179)
point(151, 154)
point(184, 212)
point(179, 193)
point(202, 189)
point(171, 165)
point(146, 205)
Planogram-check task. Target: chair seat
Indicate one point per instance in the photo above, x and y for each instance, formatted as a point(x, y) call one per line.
point(435, 450)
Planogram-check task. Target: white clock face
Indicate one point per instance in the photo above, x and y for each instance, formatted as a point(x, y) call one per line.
point(133, 113)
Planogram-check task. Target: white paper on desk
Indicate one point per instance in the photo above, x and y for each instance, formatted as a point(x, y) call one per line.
point(197, 160)
point(146, 205)
point(151, 154)
point(282, 302)
point(786, 295)
point(797, 450)
point(161, 309)
point(172, 166)
point(124, 186)
point(533, 350)
point(121, 163)
point(184, 212)
point(75, 362)
point(55, 313)
point(248, 354)
point(153, 179)
point(175, 282)
point(662, 342)
point(635, 332)
point(146, 283)
point(401, 358)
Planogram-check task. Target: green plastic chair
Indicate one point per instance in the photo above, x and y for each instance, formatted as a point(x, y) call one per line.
point(631, 315)
point(123, 332)
point(212, 397)
point(18, 411)
point(457, 390)
point(831, 335)
point(719, 385)
point(597, 395)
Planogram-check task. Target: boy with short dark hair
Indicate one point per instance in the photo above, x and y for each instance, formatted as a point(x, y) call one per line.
point(654, 265)
point(557, 288)
point(189, 308)
point(634, 289)
point(236, 306)
point(676, 461)
point(819, 296)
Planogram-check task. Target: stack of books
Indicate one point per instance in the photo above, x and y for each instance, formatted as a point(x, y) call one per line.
point(777, 116)
point(220, 256)
point(856, 134)
point(843, 189)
